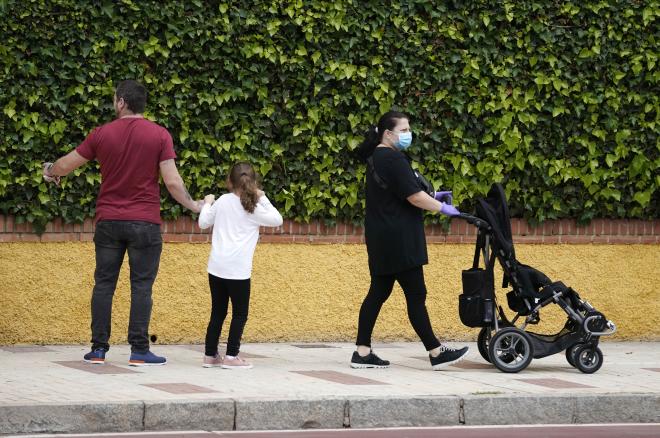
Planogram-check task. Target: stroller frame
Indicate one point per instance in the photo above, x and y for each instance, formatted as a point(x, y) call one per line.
point(509, 347)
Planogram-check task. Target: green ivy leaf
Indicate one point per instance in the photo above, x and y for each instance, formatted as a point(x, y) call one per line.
point(643, 198)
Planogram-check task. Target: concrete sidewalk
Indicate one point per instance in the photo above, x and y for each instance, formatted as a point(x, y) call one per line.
point(294, 386)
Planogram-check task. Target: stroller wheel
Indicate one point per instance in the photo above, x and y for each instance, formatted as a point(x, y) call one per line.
point(588, 359)
point(485, 334)
point(511, 350)
point(482, 342)
point(570, 354)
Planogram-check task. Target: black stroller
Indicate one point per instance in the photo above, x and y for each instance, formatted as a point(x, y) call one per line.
point(507, 346)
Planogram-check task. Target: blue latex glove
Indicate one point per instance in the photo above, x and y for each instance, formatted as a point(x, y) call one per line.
point(449, 210)
point(445, 197)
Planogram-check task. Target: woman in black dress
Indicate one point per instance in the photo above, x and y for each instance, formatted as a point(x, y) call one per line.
point(396, 244)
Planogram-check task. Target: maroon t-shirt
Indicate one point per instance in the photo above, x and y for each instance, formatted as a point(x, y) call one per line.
point(129, 151)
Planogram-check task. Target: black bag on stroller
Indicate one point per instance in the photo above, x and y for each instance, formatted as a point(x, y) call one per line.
point(509, 347)
point(475, 304)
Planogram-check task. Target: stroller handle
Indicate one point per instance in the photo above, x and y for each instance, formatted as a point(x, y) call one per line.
point(477, 222)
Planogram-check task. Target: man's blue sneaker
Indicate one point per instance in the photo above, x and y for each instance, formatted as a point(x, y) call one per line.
point(95, 356)
point(146, 359)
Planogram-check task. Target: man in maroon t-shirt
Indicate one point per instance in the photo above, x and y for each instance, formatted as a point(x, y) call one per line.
point(133, 152)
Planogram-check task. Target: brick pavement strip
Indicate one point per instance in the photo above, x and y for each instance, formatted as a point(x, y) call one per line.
point(296, 388)
point(554, 383)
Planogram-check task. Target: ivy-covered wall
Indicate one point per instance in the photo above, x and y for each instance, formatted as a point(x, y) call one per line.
point(559, 100)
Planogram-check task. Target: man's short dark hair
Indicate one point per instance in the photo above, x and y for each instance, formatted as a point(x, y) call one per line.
point(134, 94)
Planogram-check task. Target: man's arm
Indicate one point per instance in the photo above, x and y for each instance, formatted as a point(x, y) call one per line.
point(63, 166)
point(175, 186)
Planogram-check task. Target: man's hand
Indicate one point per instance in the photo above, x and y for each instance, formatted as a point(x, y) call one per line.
point(48, 176)
point(197, 207)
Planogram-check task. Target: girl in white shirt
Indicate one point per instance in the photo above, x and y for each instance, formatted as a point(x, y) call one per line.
point(235, 218)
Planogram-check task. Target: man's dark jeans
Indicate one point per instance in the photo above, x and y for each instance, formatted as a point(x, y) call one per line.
point(144, 244)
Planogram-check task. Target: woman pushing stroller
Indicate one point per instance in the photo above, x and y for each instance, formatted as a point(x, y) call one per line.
point(395, 240)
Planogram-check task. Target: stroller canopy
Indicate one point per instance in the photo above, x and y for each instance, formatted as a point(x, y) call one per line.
point(494, 210)
point(526, 280)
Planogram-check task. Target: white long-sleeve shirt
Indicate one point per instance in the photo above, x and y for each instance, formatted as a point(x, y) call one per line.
point(235, 234)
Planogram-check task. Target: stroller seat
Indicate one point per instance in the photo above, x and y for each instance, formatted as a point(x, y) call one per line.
point(531, 282)
point(530, 286)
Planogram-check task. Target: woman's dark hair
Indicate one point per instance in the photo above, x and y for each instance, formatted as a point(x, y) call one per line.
point(374, 135)
point(134, 94)
point(243, 178)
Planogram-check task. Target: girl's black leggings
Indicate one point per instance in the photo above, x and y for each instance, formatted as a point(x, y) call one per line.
point(222, 290)
point(414, 289)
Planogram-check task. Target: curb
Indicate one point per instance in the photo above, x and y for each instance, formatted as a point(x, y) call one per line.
point(329, 413)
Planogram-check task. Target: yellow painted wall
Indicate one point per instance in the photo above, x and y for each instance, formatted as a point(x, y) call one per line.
point(307, 292)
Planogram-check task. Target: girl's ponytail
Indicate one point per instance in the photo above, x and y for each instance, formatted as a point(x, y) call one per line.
point(243, 179)
point(249, 193)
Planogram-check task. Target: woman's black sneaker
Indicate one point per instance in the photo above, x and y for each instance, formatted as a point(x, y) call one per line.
point(368, 361)
point(447, 356)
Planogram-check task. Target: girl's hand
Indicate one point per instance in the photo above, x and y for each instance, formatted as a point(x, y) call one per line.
point(209, 199)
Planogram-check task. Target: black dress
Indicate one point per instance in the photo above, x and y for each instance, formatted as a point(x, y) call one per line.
point(394, 228)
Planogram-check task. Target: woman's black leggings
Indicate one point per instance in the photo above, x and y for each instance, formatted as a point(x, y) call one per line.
point(414, 289)
point(222, 290)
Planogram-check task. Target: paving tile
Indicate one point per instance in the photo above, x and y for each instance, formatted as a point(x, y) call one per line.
point(200, 349)
point(555, 383)
point(471, 365)
point(464, 364)
point(313, 346)
point(424, 358)
point(179, 388)
point(25, 348)
point(246, 355)
point(193, 347)
point(95, 369)
point(337, 377)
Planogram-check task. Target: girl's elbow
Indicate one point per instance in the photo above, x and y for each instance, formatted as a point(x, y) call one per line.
point(276, 221)
point(203, 225)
